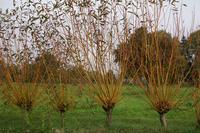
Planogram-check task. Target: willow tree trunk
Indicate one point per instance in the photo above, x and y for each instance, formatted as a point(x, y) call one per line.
point(108, 111)
point(62, 116)
point(108, 117)
point(163, 121)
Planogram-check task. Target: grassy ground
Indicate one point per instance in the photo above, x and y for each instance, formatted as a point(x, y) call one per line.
point(132, 115)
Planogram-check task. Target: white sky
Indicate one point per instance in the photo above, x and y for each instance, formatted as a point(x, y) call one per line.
point(190, 14)
point(191, 11)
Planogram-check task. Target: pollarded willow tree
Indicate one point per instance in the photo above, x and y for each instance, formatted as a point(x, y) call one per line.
point(20, 75)
point(150, 75)
point(160, 64)
point(18, 88)
point(161, 78)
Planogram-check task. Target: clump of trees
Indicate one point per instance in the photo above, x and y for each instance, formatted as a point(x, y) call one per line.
point(135, 46)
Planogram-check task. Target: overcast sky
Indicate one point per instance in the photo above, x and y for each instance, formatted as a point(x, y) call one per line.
point(190, 14)
point(191, 11)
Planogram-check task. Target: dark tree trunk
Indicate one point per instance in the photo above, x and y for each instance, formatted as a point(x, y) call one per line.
point(163, 121)
point(62, 116)
point(108, 111)
point(109, 117)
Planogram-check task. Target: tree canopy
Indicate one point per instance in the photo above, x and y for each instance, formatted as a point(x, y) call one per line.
point(137, 50)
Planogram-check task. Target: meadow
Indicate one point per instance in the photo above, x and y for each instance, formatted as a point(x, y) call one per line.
point(132, 114)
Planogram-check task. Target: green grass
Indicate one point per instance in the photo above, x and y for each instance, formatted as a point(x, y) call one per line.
point(132, 115)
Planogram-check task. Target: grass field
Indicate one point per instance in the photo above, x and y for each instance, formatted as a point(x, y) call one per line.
point(132, 115)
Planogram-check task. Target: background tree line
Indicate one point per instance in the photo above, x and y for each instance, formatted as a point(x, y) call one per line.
point(187, 57)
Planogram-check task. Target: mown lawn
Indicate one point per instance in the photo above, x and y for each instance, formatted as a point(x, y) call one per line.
point(132, 115)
